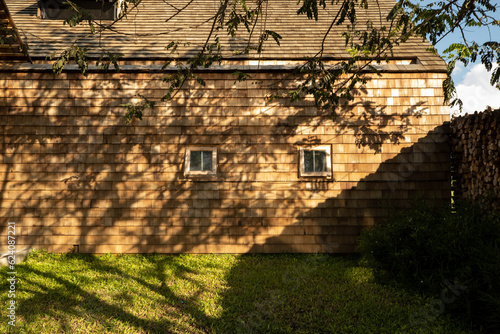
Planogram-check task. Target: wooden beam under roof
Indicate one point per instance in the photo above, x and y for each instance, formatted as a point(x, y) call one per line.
point(12, 47)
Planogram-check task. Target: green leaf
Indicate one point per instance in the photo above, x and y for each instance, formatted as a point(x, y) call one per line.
point(136, 110)
point(274, 35)
point(495, 77)
point(241, 76)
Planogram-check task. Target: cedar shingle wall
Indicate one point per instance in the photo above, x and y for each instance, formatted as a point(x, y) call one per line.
point(73, 173)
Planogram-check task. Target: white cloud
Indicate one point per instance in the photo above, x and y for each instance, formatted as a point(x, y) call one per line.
point(476, 92)
point(459, 68)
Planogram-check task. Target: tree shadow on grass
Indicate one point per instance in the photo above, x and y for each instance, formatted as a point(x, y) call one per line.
point(94, 297)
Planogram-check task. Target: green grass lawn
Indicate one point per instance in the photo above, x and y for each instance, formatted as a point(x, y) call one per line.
point(78, 293)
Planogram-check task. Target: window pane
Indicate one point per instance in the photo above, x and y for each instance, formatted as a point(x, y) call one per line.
point(308, 161)
point(207, 160)
point(314, 161)
point(320, 161)
point(195, 160)
point(58, 10)
point(200, 161)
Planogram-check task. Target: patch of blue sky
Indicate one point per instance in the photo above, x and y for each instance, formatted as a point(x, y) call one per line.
point(472, 81)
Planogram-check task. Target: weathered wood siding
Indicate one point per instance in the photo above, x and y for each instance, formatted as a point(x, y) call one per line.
point(73, 173)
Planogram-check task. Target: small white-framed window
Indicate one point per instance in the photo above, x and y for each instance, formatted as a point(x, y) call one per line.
point(200, 161)
point(315, 161)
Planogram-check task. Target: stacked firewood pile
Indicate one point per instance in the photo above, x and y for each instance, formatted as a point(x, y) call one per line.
point(475, 140)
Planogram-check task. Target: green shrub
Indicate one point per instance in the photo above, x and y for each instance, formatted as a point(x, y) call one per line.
point(443, 253)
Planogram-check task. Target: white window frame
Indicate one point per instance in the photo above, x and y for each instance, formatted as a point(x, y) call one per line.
point(187, 162)
point(325, 174)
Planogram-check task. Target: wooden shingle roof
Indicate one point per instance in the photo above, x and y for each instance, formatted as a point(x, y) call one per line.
point(143, 35)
